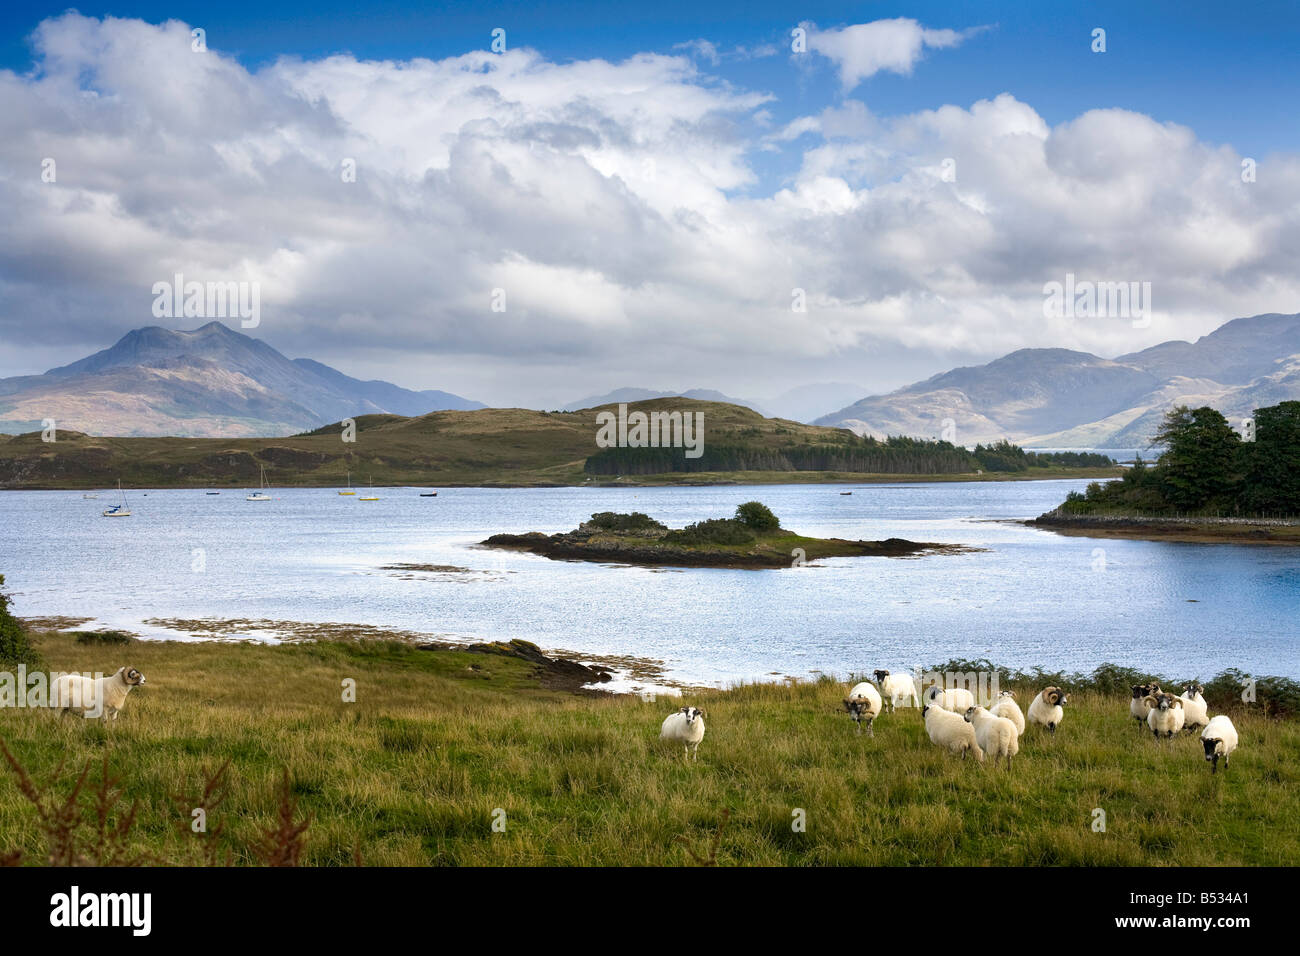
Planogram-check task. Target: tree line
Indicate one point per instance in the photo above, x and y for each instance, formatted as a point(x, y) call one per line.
point(896, 455)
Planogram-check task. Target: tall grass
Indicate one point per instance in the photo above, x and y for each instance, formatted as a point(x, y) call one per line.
point(432, 754)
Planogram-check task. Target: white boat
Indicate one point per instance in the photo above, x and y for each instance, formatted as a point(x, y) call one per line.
point(372, 496)
point(90, 497)
point(349, 491)
point(261, 494)
point(119, 511)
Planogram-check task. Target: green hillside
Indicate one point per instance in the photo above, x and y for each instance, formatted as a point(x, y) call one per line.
point(493, 446)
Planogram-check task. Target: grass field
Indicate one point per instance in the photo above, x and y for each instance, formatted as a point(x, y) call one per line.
point(412, 772)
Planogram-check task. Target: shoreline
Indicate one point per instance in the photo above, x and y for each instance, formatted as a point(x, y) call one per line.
point(1188, 530)
point(685, 479)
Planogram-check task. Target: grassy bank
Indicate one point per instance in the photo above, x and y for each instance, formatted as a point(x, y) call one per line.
point(1197, 530)
point(411, 773)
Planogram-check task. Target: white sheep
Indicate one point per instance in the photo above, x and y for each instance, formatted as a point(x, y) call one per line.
point(1138, 708)
point(956, 699)
point(1046, 709)
point(996, 736)
point(687, 727)
point(863, 704)
point(1219, 738)
point(1195, 709)
point(950, 730)
point(895, 688)
point(1166, 716)
point(1006, 706)
point(94, 697)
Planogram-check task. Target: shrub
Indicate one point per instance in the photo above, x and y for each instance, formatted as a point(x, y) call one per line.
point(103, 637)
point(756, 515)
point(15, 646)
point(722, 531)
point(636, 521)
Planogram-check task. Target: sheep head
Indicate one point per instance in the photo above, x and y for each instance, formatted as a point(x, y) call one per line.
point(131, 676)
point(880, 676)
point(691, 713)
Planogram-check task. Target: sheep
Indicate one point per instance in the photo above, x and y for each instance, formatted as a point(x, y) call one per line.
point(686, 726)
point(996, 736)
point(863, 703)
point(1046, 708)
point(1166, 716)
point(1138, 708)
point(94, 697)
point(1006, 706)
point(956, 699)
point(1195, 709)
point(950, 730)
point(896, 687)
point(1219, 738)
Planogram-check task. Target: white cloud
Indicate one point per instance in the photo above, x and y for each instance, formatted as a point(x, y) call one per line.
point(617, 205)
point(862, 50)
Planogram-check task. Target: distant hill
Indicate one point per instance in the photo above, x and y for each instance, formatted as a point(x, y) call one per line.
point(211, 381)
point(646, 394)
point(1067, 399)
point(491, 446)
point(807, 403)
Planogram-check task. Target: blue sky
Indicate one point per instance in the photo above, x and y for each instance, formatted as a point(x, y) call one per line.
point(1228, 70)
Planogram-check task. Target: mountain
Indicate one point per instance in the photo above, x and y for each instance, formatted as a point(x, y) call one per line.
point(1067, 399)
point(646, 394)
point(808, 402)
point(211, 381)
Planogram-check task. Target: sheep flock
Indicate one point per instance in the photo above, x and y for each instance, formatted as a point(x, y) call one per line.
point(957, 722)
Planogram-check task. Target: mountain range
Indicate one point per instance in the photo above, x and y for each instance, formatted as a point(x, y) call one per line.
point(211, 381)
point(217, 382)
point(1058, 398)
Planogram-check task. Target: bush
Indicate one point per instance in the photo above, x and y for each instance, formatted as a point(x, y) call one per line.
point(636, 521)
point(715, 531)
point(756, 515)
point(103, 637)
point(15, 646)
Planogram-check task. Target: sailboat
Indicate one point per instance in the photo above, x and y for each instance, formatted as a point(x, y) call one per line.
point(372, 496)
point(119, 511)
point(349, 491)
point(261, 494)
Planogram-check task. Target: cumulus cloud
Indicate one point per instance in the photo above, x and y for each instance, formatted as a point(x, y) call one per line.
point(862, 50)
point(617, 207)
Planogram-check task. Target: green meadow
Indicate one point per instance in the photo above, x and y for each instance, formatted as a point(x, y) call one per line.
point(449, 757)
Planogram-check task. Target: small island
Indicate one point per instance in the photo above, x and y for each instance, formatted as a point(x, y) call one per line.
point(753, 538)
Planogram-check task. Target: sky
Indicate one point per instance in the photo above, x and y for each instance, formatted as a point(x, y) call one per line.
point(669, 195)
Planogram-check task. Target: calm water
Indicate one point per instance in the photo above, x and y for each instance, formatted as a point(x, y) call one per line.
point(1034, 598)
